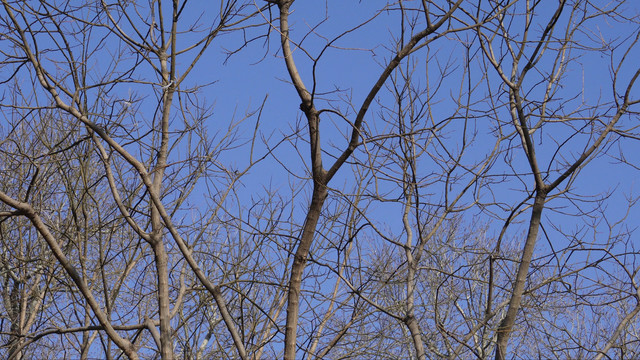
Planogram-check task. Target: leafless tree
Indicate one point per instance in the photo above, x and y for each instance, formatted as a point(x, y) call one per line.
point(420, 189)
point(60, 46)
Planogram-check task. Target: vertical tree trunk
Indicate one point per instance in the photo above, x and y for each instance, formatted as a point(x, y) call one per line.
point(506, 326)
point(161, 260)
point(297, 269)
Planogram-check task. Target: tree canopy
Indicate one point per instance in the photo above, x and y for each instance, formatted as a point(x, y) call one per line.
point(319, 180)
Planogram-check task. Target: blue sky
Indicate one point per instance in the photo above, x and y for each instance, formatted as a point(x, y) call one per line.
point(238, 86)
point(247, 77)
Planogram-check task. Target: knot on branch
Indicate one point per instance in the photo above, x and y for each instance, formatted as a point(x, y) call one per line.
point(306, 106)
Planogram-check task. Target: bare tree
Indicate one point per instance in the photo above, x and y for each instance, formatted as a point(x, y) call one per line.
point(420, 186)
point(133, 150)
point(589, 125)
point(29, 272)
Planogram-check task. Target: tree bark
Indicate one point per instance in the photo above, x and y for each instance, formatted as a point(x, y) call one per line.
point(506, 325)
point(297, 269)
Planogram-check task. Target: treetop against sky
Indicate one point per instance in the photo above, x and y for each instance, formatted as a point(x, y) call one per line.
point(326, 179)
